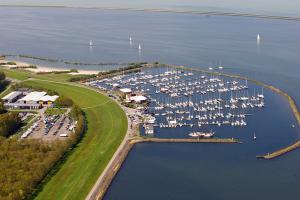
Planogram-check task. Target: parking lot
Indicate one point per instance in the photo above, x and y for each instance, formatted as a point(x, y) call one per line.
point(50, 127)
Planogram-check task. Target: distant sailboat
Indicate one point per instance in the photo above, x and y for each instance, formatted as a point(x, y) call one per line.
point(258, 38)
point(140, 47)
point(262, 94)
point(254, 136)
point(220, 66)
point(130, 39)
point(91, 43)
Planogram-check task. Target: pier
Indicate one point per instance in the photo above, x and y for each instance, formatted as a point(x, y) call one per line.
point(107, 177)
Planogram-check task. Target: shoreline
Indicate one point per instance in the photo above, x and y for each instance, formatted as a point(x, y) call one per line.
point(99, 190)
point(165, 10)
point(106, 178)
point(20, 65)
point(103, 182)
point(111, 168)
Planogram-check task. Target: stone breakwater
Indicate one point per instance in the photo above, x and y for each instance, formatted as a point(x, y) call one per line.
point(102, 185)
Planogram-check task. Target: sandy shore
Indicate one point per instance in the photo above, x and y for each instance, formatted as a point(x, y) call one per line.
point(40, 68)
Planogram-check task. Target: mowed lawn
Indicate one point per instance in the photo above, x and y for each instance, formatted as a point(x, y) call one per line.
point(15, 74)
point(107, 125)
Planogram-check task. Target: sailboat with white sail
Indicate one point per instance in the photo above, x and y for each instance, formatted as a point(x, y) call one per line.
point(254, 136)
point(258, 39)
point(91, 43)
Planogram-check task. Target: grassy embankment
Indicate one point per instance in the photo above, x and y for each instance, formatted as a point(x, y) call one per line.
point(21, 75)
point(106, 127)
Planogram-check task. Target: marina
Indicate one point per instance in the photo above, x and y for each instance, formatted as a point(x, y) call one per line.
point(180, 98)
point(225, 44)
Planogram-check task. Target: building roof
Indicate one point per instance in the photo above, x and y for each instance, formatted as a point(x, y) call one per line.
point(115, 85)
point(125, 90)
point(138, 98)
point(33, 96)
point(22, 105)
point(49, 98)
point(12, 95)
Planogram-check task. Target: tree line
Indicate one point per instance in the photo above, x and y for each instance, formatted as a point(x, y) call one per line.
point(26, 165)
point(10, 122)
point(3, 82)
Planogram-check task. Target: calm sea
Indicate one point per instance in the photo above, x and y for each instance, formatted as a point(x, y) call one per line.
point(182, 171)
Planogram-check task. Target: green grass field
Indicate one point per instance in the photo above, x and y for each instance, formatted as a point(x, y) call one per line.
point(106, 128)
point(23, 75)
point(16, 74)
point(55, 111)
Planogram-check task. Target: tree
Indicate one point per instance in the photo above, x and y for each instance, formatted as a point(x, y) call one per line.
point(3, 82)
point(2, 109)
point(63, 101)
point(2, 76)
point(9, 123)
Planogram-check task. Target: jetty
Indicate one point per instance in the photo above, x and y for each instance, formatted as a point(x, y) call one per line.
point(280, 152)
point(185, 140)
point(290, 100)
point(106, 178)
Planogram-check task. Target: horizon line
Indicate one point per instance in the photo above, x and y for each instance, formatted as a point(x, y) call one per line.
point(177, 11)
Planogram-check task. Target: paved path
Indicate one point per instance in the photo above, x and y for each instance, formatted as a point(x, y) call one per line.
point(94, 193)
point(103, 179)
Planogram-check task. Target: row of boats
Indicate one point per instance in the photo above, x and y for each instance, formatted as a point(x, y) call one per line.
point(183, 98)
point(202, 134)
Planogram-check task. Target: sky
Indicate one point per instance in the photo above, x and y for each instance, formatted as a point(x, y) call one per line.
point(270, 7)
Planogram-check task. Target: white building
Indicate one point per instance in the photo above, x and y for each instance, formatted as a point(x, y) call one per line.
point(32, 97)
point(138, 99)
point(126, 90)
point(12, 97)
point(32, 101)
